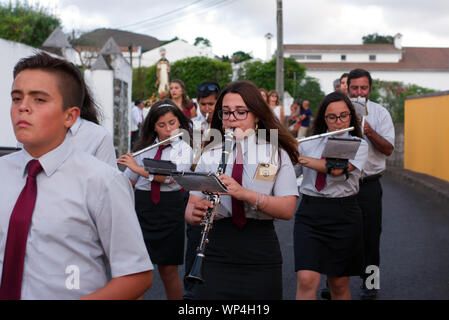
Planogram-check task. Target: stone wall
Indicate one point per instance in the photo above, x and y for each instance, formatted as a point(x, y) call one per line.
point(121, 128)
point(397, 158)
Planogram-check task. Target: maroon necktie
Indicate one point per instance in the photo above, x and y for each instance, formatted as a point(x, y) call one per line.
point(19, 224)
point(238, 208)
point(156, 186)
point(320, 181)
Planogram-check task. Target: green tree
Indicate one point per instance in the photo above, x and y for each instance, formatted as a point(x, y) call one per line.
point(240, 56)
point(263, 74)
point(26, 23)
point(376, 38)
point(309, 89)
point(192, 71)
point(200, 41)
point(392, 94)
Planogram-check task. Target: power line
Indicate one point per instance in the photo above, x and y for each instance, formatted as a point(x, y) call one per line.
point(160, 23)
point(160, 16)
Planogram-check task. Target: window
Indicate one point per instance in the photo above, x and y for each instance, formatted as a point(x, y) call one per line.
point(343, 57)
point(313, 57)
point(372, 57)
point(299, 56)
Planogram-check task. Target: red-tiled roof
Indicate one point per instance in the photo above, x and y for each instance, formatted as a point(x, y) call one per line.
point(341, 47)
point(413, 59)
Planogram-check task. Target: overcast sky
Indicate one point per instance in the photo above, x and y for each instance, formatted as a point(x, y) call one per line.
point(232, 25)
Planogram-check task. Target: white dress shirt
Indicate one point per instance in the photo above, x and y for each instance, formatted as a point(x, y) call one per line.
point(137, 118)
point(84, 219)
point(254, 153)
point(200, 122)
point(93, 139)
point(380, 120)
point(179, 152)
point(336, 186)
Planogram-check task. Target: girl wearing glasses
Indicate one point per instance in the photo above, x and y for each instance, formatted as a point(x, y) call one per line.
point(328, 221)
point(243, 258)
point(275, 105)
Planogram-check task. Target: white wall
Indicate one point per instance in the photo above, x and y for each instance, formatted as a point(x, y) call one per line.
point(11, 53)
point(431, 80)
point(101, 84)
point(350, 56)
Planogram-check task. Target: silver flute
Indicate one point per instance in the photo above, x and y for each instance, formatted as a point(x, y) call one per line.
point(317, 136)
point(158, 144)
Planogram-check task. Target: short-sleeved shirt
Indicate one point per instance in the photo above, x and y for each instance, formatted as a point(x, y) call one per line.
point(179, 152)
point(84, 219)
point(254, 153)
point(306, 121)
point(380, 121)
point(137, 117)
point(336, 186)
point(93, 139)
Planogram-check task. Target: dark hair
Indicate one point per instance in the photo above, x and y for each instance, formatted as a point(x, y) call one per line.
point(206, 89)
point(147, 133)
point(359, 73)
point(344, 75)
point(319, 124)
point(259, 107)
point(71, 84)
point(186, 103)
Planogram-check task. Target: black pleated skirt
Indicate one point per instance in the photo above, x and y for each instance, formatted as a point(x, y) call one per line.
point(328, 236)
point(241, 263)
point(163, 226)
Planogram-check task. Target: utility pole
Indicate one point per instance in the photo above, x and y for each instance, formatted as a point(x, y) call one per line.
point(280, 53)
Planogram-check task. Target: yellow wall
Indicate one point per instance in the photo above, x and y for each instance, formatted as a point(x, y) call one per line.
point(426, 135)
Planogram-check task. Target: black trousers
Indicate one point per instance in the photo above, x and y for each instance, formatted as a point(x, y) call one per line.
point(134, 137)
point(370, 201)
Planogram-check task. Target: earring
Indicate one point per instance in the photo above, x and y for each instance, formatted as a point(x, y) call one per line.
point(257, 127)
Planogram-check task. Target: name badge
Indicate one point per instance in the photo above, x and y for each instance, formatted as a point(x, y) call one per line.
point(266, 172)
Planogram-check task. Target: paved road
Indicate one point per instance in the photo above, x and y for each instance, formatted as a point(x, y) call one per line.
point(414, 249)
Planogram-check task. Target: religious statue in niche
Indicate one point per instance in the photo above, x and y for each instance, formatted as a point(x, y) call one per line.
point(162, 73)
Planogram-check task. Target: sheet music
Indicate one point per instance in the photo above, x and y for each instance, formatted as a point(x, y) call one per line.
point(359, 104)
point(197, 181)
point(191, 181)
point(341, 148)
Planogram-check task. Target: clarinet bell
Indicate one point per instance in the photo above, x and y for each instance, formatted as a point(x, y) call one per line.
point(196, 273)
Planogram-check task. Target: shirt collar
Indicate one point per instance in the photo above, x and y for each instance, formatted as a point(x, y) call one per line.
point(50, 161)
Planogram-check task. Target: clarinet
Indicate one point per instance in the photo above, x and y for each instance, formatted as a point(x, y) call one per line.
point(196, 272)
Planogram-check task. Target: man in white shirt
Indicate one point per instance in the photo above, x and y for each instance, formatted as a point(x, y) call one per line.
point(378, 130)
point(137, 121)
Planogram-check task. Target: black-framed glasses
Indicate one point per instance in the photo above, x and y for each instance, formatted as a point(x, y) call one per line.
point(208, 87)
point(332, 117)
point(238, 114)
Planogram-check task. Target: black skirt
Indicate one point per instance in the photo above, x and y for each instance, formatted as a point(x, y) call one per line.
point(162, 226)
point(328, 236)
point(241, 263)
